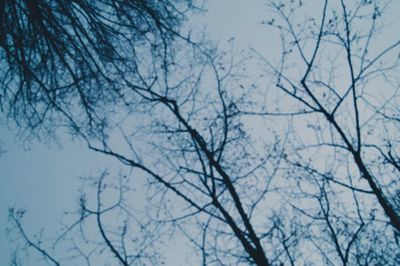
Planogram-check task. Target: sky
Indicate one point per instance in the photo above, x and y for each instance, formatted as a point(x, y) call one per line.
point(43, 177)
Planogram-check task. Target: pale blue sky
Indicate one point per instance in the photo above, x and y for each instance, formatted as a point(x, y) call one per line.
point(43, 177)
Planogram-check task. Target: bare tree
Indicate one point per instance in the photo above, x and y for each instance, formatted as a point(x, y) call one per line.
point(301, 171)
point(339, 84)
point(60, 54)
point(105, 229)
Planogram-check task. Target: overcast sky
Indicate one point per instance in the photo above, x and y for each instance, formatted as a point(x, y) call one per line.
point(43, 177)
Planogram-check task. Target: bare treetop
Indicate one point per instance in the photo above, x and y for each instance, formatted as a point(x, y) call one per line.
point(296, 165)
